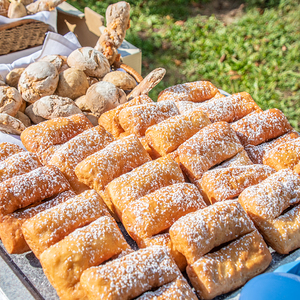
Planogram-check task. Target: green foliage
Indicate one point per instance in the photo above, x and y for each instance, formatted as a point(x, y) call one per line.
point(259, 53)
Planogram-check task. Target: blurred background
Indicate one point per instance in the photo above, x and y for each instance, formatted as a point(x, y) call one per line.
point(238, 45)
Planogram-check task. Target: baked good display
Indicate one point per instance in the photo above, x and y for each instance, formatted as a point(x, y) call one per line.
point(18, 164)
point(8, 149)
point(197, 91)
point(10, 227)
point(91, 245)
point(210, 146)
point(32, 187)
point(137, 119)
point(39, 79)
point(130, 276)
point(56, 131)
point(52, 225)
point(227, 183)
point(71, 153)
point(273, 205)
point(141, 181)
point(256, 153)
point(231, 108)
point(10, 100)
point(260, 127)
point(285, 155)
point(116, 159)
point(156, 212)
point(110, 119)
point(178, 289)
point(168, 135)
point(197, 233)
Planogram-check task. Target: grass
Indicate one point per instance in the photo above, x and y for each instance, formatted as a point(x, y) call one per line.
point(259, 53)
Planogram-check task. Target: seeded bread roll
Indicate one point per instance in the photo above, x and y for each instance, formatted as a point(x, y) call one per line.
point(89, 60)
point(39, 79)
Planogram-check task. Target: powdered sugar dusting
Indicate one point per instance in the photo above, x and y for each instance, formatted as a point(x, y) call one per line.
point(257, 128)
point(131, 275)
point(197, 233)
point(228, 183)
point(8, 149)
point(271, 197)
point(35, 186)
point(18, 164)
point(157, 211)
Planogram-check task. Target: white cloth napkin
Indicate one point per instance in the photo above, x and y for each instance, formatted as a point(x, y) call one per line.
point(11, 138)
point(54, 43)
point(48, 17)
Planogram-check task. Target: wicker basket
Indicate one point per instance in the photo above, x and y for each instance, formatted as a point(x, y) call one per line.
point(21, 35)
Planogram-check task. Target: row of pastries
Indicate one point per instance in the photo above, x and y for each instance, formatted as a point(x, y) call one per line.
point(201, 182)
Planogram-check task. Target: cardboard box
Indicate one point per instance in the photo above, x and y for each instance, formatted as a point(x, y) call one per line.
point(86, 26)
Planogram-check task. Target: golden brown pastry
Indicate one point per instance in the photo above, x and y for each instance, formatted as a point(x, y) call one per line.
point(131, 275)
point(168, 135)
point(141, 181)
point(260, 127)
point(70, 154)
point(110, 119)
point(153, 154)
point(50, 226)
point(64, 262)
point(274, 207)
point(283, 156)
point(178, 289)
point(228, 183)
point(199, 232)
point(240, 159)
point(208, 147)
point(231, 108)
point(33, 187)
point(164, 240)
point(157, 211)
point(40, 137)
point(18, 164)
point(116, 159)
point(137, 119)
point(230, 267)
point(186, 107)
point(8, 149)
point(47, 154)
point(10, 227)
point(256, 153)
point(197, 91)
